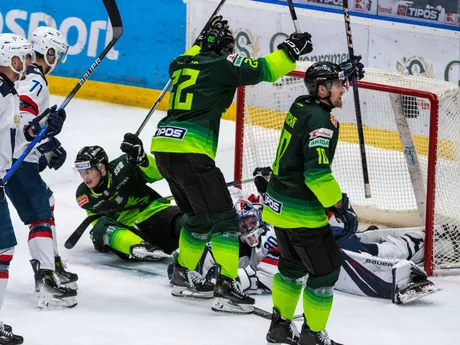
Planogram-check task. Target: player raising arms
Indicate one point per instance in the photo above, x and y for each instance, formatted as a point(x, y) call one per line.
point(29, 194)
point(300, 188)
point(205, 79)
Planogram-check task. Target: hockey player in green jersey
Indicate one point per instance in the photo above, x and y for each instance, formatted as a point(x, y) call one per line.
point(205, 79)
point(149, 232)
point(299, 191)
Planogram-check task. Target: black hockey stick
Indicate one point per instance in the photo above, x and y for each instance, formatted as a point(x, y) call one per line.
point(359, 120)
point(294, 16)
point(267, 315)
point(168, 85)
point(76, 235)
point(117, 29)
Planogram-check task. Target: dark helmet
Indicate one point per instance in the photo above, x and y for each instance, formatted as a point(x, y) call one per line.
point(218, 41)
point(91, 157)
point(322, 73)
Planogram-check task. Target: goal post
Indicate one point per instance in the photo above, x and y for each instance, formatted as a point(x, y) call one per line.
point(412, 137)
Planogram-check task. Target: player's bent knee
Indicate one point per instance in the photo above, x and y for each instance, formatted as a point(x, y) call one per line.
point(198, 224)
point(225, 222)
point(291, 269)
point(320, 282)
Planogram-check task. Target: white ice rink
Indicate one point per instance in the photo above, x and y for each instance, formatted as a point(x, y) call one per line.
point(122, 306)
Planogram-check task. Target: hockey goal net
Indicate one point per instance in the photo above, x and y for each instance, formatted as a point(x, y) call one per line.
point(412, 139)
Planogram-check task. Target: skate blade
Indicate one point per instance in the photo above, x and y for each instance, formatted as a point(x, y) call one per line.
point(70, 285)
point(156, 255)
point(183, 291)
point(57, 304)
point(412, 296)
point(223, 305)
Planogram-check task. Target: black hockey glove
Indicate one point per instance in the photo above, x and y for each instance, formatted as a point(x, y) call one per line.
point(347, 215)
point(297, 44)
point(54, 118)
point(56, 154)
point(262, 176)
point(216, 22)
point(351, 65)
point(134, 149)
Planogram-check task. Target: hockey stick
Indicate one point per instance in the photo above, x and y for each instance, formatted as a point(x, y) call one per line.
point(167, 86)
point(76, 235)
point(117, 29)
point(267, 315)
point(359, 120)
point(294, 16)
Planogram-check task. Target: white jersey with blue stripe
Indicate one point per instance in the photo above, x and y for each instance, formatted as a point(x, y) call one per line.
point(9, 121)
point(35, 98)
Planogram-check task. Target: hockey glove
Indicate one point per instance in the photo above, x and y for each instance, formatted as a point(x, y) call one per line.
point(351, 65)
point(262, 176)
point(54, 118)
point(215, 22)
point(297, 44)
point(134, 149)
point(347, 215)
point(55, 153)
point(250, 282)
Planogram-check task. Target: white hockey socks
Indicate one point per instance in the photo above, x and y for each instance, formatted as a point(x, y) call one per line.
point(41, 244)
point(6, 255)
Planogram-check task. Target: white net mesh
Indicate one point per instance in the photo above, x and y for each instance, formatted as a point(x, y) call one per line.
point(394, 199)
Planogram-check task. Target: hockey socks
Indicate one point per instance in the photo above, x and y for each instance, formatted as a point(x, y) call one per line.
point(122, 239)
point(285, 295)
point(191, 247)
point(6, 255)
point(41, 244)
point(317, 304)
point(225, 249)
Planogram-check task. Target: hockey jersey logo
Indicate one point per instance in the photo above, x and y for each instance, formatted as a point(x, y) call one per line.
point(82, 199)
point(171, 132)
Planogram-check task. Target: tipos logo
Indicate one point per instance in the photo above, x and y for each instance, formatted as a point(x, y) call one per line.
point(415, 65)
point(274, 205)
point(171, 132)
point(246, 43)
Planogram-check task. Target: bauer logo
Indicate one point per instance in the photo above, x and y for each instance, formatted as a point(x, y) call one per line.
point(321, 132)
point(274, 205)
point(171, 132)
point(323, 142)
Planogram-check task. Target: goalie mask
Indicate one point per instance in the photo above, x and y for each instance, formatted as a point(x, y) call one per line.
point(220, 42)
point(250, 226)
point(50, 42)
point(324, 73)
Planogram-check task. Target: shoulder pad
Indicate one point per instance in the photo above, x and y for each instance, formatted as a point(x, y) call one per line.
point(34, 70)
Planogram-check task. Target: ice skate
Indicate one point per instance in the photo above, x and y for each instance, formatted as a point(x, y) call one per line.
point(67, 279)
point(229, 298)
point(282, 331)
point(310, 337)
point(7, 337)
point(188, 283)
point(146, 251)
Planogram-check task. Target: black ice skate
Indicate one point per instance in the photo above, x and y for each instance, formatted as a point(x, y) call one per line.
point(7, 337)
point(310, 337)
point(50, 293)
point(282, 331)
point(146, 251)
point(67, 279)
point(188, 283)
point(229, 298)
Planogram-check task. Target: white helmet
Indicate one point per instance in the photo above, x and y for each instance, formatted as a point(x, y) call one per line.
point(45, 38)
point(12, 45)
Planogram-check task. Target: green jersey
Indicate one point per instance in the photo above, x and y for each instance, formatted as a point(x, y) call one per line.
point(204, 85)
point(126, 185)
point(302, 185)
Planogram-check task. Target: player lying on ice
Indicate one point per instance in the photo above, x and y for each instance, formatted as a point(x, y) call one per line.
point(376, 263)
point(149, 232)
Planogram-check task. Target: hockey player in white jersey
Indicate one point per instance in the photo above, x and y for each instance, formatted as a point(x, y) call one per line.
point(30, 195)
point(15, 55)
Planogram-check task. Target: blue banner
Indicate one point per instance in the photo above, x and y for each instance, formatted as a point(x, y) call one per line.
point(154, 33)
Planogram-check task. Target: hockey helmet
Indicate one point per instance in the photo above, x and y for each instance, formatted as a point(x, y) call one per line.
point(322, 73)
point(91, 157)
point(250, 226)
point(50, 42)
point(12, 45)
point(218, 41)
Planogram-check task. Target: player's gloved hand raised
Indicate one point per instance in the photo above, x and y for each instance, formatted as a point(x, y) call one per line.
point(134, 149)
point(261, 178)
point(297, 44)
point(54, 153)
point(54, 118)
point(215, 22)
point(351, 65)
point(347, 215)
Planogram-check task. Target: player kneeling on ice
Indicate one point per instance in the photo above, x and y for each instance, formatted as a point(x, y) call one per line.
point(149, 229)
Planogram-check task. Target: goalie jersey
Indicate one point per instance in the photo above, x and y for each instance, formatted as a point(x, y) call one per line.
point(9, 120)
point(34, 100)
